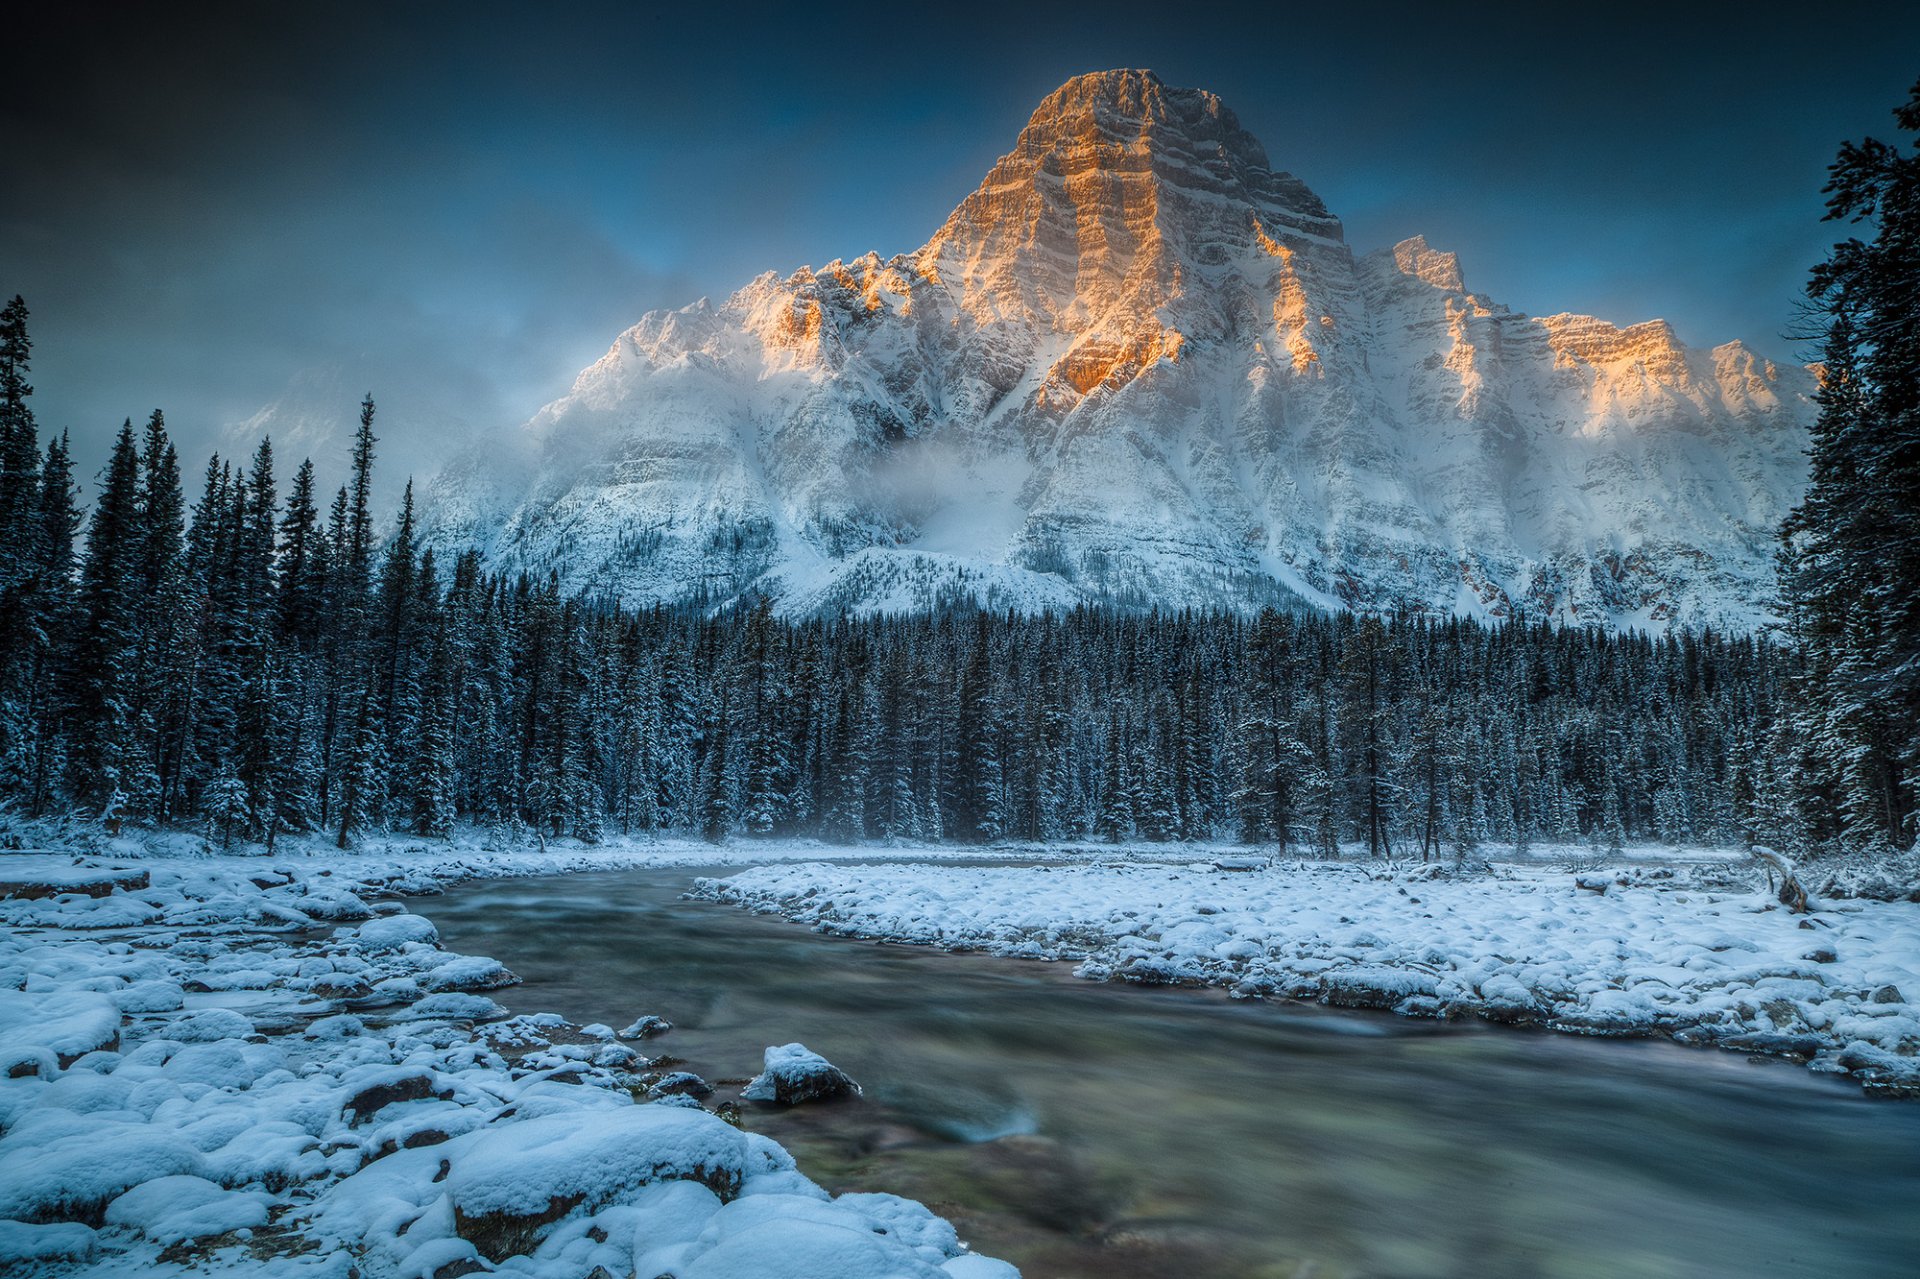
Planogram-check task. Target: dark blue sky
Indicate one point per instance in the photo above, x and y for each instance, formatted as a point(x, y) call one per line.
point(460, 206)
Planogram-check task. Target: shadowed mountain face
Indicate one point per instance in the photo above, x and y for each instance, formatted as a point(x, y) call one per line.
point(1140, 365)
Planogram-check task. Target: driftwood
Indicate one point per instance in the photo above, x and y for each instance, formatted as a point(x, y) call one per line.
point(1789, 891)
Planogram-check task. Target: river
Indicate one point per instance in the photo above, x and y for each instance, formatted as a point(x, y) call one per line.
point(1082, 1129)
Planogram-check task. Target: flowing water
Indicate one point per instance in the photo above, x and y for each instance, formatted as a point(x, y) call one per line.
point(1080, 1129)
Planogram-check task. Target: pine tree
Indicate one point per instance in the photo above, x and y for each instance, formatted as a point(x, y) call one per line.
point(762, 737)
point(1370, 672)
point(1117, 808)
point(1851, 569)
point(300, 570)
point(107, 649)
point(358, 550)
point(31, 743)
point(19, 449)
point(433, 780)
point(164, 612)
point(399, 628)
point(258, 752)
point(163, 509)
point(353, 722)
point(974, 781)
point(716, 767)
point(1274, 761)
point(22, 551)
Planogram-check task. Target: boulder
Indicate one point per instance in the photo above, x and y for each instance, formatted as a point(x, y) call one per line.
point(646, 1028)
point(399, 1086)
point(679, 1083)
point(509, 1182)
point(794, 1073)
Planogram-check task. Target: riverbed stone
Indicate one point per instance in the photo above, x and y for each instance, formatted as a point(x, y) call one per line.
point(794, 1074)
point(679, 1083)
point(509, 1183)
point(397, 1087)
point(646, 1027)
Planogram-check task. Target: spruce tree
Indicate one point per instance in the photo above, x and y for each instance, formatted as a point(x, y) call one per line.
point(41, 666)
point(103, 670)
point(22, 534)
point(1851, 565)
point(19, 448)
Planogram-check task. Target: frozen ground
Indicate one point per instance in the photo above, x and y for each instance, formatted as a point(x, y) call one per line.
point(1692, 950)
point(257, 1066)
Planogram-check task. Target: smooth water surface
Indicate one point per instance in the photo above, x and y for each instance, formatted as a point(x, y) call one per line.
point(1080, 1129)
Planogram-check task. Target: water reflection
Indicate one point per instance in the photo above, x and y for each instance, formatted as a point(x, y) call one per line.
point(1088, 1130)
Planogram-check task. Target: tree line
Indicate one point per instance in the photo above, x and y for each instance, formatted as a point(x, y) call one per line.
point(257, 666)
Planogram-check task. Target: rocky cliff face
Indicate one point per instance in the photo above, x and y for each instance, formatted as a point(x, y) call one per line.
point(1140, 365)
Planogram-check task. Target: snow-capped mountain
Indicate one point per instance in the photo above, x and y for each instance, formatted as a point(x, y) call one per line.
point(1141, 365)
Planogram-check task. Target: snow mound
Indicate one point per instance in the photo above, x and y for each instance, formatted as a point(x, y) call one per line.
point(177, 1208)
point(42, 1030)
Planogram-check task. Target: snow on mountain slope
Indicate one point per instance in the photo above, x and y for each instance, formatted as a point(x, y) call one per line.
point(1141, 366)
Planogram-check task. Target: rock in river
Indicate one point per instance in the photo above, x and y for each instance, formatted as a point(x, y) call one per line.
point(794, 1073)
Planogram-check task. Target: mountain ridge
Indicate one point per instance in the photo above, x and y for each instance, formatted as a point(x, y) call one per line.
point(1139, 365)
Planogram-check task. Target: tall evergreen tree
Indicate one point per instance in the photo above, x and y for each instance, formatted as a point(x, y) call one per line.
point(30, 740)
point(19, 443)
point(1851, 563)
point(107, 649)
point(22, 534)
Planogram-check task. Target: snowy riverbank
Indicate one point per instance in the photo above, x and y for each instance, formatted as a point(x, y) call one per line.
point(1697, 953)
point(268, 1066)
point(256, 1066)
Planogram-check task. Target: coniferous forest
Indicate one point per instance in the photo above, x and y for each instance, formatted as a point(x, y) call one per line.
point(268, 660)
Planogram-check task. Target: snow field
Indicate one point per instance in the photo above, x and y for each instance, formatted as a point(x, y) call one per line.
point(244, 1066)
point(1695, 953)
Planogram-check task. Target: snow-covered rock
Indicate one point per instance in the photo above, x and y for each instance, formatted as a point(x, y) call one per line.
point(47, 881)
point(646, 1027)
point(172, 1209)
point(679, 1083)
point(1141, 365)
point(793, 1073)
point(24, 1243)
point(397, 931)
point(470, 972)
point(38, 1030)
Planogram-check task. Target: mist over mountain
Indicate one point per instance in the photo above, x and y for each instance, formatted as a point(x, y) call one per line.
point(1140, 365)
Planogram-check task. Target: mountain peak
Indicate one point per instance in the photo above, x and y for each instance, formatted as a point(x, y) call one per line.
point(1118, 85)
point(1128, 98)
point(1118, 188)
point(1135, 108)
